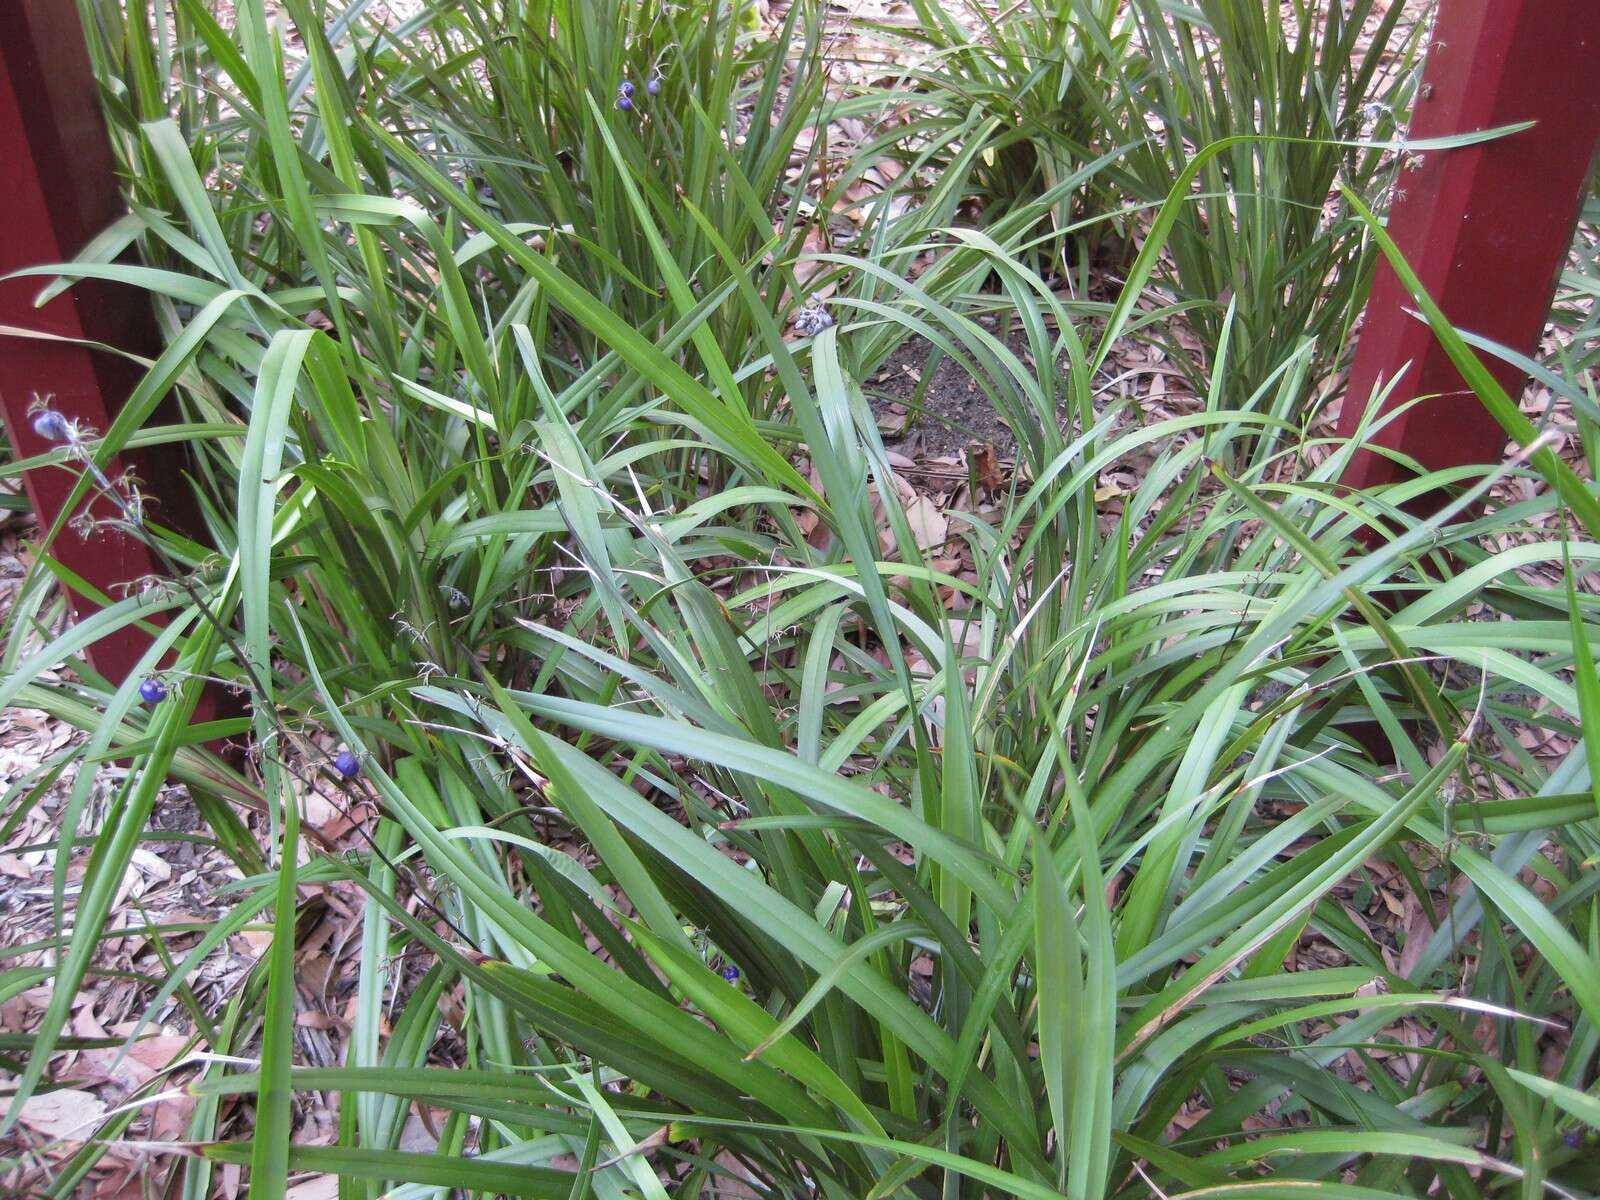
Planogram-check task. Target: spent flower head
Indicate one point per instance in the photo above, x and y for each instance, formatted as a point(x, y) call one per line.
point(812, 320)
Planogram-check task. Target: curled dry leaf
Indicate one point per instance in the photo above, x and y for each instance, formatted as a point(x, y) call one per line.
point(986, 470)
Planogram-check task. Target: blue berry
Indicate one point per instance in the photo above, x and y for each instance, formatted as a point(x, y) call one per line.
point(624, 104)
point(731, 973)
point(50, 425)
point(153, 691)
point(625, 88)
point(654, 86)
point(1572, 1139)
point(347, 764)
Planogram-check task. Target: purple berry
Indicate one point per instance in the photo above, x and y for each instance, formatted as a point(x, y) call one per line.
point(1572, 1139)
point(731, 973)
point(624, 104)
point(625, 88)
point(50, 425)
point(654, 86)
point(153, 691)
point(347, 764)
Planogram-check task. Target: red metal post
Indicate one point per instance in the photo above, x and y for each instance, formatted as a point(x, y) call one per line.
point(1487, 228)
point(61, 190)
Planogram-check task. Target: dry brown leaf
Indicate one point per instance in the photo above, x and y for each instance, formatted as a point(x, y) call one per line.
point(319, 811)
point(158, 1053)
point(64, 1113)
point(252, 942)
point(124, 1184)
point(169, 1120)
point(986, 468)
point(127, 1071)
point(892, 424)
point(152, 866)
point(318, 1187)
point(928, 525)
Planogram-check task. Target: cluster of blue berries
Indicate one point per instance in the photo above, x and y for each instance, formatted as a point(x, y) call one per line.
point(153, 691)
point(625, 91)
point(53, 427)
point(731, 973)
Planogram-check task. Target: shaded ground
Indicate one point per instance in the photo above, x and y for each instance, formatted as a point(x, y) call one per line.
point(942, 412)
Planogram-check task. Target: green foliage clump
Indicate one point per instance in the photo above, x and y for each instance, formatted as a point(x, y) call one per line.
point(744, 833)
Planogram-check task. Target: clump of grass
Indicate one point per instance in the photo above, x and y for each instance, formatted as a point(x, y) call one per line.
point(526, 102)
point(751, 850)
point(1016, 104)
point(1070, 121)
point(1321, 92)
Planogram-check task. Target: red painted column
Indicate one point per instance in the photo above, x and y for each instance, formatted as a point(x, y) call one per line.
point(1487, 228)
point(60, 190)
